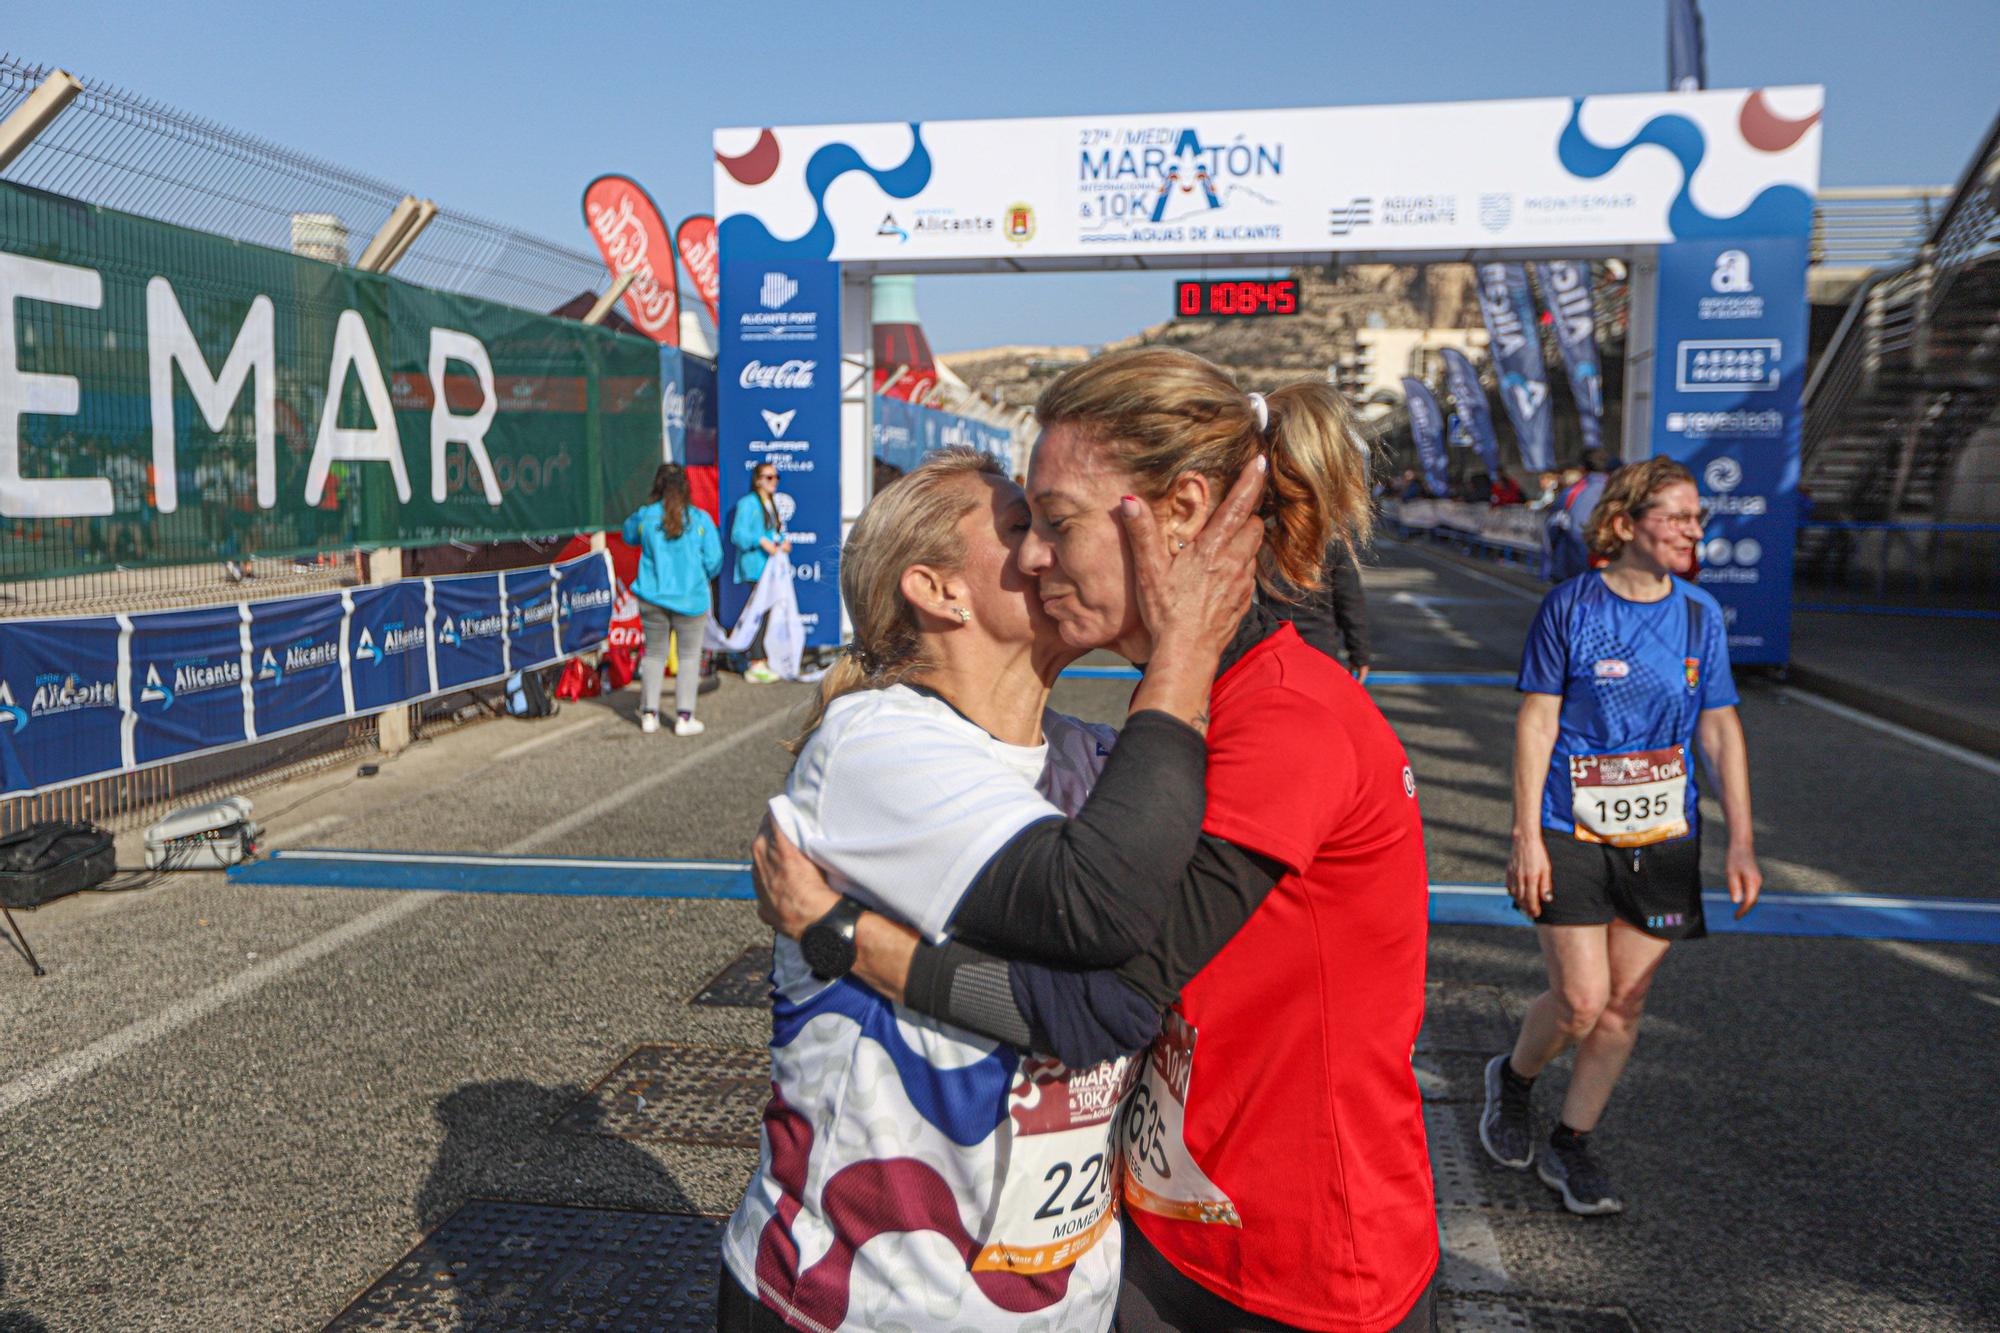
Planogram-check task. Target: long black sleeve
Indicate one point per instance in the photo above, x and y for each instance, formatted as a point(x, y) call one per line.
point(1081, 1016)
point(1334, 616)
point(1089, 890)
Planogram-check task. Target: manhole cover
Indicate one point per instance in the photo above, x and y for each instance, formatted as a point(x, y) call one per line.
point(503, 1266)
point(1464, 1176)
point(745, 983)
point(1469, 1020)
point(1457, 1314)
point(674, 1093)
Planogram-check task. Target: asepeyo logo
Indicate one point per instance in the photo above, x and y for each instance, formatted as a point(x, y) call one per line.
point(778, 422)
point(778, 288)
point(784, 375)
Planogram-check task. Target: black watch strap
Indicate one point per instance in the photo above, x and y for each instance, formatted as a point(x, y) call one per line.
point(828, 943)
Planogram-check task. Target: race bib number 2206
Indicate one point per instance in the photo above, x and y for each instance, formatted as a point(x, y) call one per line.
point(1057, 1191)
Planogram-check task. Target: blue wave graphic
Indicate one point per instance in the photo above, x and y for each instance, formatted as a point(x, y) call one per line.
point(1781, 210)
point(965, 1104)
point(744, 237)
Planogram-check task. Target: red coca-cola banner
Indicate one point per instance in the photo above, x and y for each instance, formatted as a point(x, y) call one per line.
point(696, 240)
point(629, 233)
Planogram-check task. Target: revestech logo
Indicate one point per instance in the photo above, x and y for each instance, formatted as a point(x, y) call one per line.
point(57, 692)
point(196, 675)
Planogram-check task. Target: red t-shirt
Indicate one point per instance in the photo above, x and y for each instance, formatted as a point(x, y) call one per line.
point(1300, 1104)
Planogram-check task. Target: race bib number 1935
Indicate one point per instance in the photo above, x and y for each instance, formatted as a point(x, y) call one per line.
point(1056, 1194)
point(1160, 1173)
point(1629, 800)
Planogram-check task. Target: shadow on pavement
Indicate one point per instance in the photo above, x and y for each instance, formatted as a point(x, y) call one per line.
point(15, 1320)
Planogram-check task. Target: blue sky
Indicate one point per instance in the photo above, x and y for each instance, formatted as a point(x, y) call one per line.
point(508, 109)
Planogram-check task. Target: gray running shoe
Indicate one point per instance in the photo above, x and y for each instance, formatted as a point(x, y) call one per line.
point(1506, 1126)
point(1574, 1174)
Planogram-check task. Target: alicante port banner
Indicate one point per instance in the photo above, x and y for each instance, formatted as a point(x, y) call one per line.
point(169, 396)
point(85, 697)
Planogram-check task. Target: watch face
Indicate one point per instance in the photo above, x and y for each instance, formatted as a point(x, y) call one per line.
point(829, 951)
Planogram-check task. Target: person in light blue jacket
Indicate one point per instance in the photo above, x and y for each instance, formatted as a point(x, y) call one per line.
point(758, 532)
point(679, 552)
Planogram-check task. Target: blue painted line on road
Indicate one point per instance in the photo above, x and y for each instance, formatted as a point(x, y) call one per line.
point(1829, 915)
point(1922, 612)
point(1374, 678)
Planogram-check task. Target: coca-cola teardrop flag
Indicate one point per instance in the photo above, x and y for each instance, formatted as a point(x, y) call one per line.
point(633, 239)
point(696, 242)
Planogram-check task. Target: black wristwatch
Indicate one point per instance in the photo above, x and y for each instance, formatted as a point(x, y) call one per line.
point(828, 943)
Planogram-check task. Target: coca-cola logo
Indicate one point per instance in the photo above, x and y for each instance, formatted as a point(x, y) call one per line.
point(633, 239)
point(783, 375)
point(696, 241)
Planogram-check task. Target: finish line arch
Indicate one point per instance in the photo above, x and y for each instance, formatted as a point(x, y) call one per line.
point(1707, 197)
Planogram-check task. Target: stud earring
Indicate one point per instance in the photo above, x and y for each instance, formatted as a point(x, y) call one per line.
point(963, 615)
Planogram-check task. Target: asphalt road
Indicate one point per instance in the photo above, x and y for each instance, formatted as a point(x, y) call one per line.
point(232, 1107)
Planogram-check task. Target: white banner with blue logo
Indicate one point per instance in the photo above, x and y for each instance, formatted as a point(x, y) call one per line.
point(1509, 310)
point(87, 697)
point(905, 432)
point(1566, 293)
point(778, 383)
point(1469, 396)
point(1427, 429)
point(1729, 366)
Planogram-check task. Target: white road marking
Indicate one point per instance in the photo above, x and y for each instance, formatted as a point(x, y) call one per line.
point(1943, 964)
point(550, 738)
point(67, 1069)
point(310, 828)
point(1476, 575)
point(1970, 758)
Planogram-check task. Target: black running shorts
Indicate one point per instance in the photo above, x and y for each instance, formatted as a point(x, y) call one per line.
point(1655, 889)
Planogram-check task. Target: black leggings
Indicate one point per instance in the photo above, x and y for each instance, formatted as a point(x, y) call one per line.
point(737, 1311)
point(1156, 1297)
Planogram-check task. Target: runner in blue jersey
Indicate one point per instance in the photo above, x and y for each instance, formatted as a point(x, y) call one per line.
point(1625, 669)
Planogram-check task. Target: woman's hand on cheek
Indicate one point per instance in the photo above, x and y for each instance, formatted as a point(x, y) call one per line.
point(1191, 599)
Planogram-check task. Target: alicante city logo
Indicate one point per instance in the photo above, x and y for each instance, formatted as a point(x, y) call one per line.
point(396, 638)
point(194, 676)
point(455, 631)
point(56, 692)
point(303, 655)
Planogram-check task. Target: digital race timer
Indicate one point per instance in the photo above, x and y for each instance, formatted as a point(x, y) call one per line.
point(1231, 297)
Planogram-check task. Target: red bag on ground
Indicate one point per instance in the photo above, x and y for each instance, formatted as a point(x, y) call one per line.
point(579, 680)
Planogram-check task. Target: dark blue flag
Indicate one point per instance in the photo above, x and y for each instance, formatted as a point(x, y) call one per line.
point(1687, 53)
point(1566, 292)
point(1470, 397)
point(1509, 311)
point(1427, 428)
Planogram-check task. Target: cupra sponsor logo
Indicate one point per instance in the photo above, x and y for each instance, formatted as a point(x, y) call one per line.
point(778, 422)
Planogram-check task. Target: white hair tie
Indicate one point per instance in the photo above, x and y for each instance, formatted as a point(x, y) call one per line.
point(1263, 412)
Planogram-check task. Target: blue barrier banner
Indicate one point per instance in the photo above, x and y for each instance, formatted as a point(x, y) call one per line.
point(1566, 292)
point(1729, 366)
point(471, 629)
point(905, 432)
point(1427, 428)
point(60, 716)
point(531, 618)
point(298, 659)
point(584, 598)
point(189, 688)
point(1470, 396)
point(687, 399)
point(778, 383)
point(90, 696)
point(1509, 311)
point(389, 644)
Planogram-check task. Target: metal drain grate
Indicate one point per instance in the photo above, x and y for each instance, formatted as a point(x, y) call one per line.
point(745, 983)
point(505, 1266)
point(1476, 1315)
point(674, 1093)
point(1467, 1020)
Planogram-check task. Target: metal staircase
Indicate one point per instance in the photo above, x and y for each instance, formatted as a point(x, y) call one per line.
point(1912, 372)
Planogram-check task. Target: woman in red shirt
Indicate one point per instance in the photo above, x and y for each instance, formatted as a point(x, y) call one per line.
point(1276, 1170)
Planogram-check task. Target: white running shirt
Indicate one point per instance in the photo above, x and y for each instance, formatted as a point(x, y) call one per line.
point(915, 1175)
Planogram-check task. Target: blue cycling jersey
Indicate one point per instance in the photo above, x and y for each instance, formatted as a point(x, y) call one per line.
point(1633, 676)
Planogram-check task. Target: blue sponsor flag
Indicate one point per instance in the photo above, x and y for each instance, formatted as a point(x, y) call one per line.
point(1470, 397)
point(905, 432)
point(1427, 429)
point(1687, 50)
point(1566, 292)
point(1509, 311)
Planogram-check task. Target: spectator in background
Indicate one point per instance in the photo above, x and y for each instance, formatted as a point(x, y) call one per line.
point(1565, 549)
point(758, 533)
point(1548, 481)
point(888, 474)
point(679, 552)
point(1507, 491)
point(1412, 487)
point(1334, 616)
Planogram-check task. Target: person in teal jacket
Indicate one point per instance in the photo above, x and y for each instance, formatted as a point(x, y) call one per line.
point(757, 533)
point(679, 552)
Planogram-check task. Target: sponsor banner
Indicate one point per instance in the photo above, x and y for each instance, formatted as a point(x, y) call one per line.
point(632, 237)
point(1515, 526)
point(1427, 429)
point(1729, 369)
point(531, 617)
point(60, 714)
point(1566, 293)
point(220, 399)
point(1470, 397)
point(778, 390)
point(585, 602)
point(189, 686)
point(389, 644)
point(687, 407)
point(298, 662)
point(904, 433)
point(91, 696)
point(695, 240)
point(1516, 347)
point(1552, 173)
